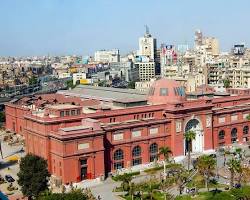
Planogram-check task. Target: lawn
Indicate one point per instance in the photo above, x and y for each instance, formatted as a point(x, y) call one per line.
point(198, 182)
point(156, 196)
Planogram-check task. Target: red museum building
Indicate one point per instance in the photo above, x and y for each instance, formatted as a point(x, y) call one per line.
point(89, 131)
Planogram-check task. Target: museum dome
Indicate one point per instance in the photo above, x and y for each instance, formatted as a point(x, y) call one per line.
point(164, 91)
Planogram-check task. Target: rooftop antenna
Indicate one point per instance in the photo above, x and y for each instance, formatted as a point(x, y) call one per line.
point(147, 29)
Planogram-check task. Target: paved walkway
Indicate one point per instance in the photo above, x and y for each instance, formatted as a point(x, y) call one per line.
point(105, 190)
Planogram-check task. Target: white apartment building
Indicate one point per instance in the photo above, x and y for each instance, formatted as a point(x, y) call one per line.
point(64, 75)
point(107, 56)
point(78, 76)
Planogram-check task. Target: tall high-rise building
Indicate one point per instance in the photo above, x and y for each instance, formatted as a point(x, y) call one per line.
point(198, 39)
point(147, 46)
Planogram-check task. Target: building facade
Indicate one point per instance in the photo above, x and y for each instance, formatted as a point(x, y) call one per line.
point(107, 56)
point(84, 138)
point(147, 46)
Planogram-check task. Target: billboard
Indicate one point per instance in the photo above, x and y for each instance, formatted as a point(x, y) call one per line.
point(239, 49)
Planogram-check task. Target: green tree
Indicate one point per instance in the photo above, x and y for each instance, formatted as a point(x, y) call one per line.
point(126, 181)
point(165, 151)
point(189, 136)
point(226, 83)
point(180, 176)
point(33, 175)
point(206, 165)
point(74, 194)
point(248, 117)
point(70, 84)
point(234, 167)
point(131, 85)
point(33, 80)
point(2, 117)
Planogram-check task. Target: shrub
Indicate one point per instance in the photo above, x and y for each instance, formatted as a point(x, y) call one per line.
point(120, 177)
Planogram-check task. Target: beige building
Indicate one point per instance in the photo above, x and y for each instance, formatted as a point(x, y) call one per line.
point(212, 45)
point(195, 80)
point(147, 46)
point(239, 77)
point(146, 70)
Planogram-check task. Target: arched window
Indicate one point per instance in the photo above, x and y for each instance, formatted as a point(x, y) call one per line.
point(221, 135)
point(246, 130)
point(136, 153)
point(153, 152)
point(234, 135)
point(118, 159)
point(118, 155)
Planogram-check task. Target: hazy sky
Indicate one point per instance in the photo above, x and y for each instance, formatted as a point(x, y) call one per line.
point(39, 27)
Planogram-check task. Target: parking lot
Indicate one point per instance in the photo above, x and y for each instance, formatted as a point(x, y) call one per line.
point(12, 152)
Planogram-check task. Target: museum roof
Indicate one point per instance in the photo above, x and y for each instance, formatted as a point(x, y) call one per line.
point(106, 93)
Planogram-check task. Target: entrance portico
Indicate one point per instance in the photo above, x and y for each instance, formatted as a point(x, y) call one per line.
point(197, 145)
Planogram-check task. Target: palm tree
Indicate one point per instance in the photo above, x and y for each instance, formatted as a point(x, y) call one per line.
point(165, 151)
point(233, 166)
point(189, 136)
point(206, 165)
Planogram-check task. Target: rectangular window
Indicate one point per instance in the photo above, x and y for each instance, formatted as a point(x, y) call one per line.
point(245, 115)
point(62, 114)
point(153, 158)
point(78, 111)
point(83, 162)
point(118, 136)
point(73, 112)
point(222, 120)
point(153, 131)
point(136, 133)
point(67, 112)
point(163, 92)
point(83, 146)
point(118, 165)
point(136, 161)
point(234, 117)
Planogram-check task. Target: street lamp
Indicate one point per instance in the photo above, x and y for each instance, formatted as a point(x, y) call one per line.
point(217, 174)
point(1, 149)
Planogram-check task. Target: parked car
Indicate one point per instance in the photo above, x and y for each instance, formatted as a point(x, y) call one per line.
point(9, 178)
point(237, 185)
point(213, 155)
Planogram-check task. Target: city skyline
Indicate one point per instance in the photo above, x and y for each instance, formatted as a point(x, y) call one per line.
point(62, 27)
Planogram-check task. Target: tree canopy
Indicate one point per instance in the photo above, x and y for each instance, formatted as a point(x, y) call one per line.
point(33, 80)
point(75, 194)
point(33, 175)
point(226, 83)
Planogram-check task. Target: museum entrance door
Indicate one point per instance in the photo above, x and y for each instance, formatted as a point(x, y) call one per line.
point(197, 144)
